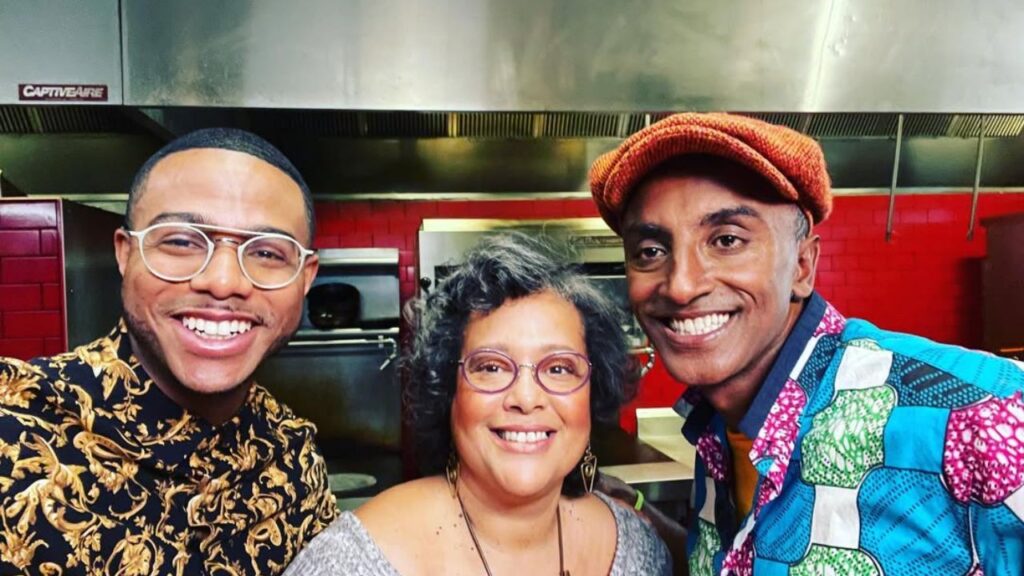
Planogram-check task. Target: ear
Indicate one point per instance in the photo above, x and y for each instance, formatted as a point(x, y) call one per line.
point(122, 249)
point(309, 270)
point(807, 251)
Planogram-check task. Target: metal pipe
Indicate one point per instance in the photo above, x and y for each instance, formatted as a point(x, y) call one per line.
point(361, 342)
point(979, 158)
point(895, 174)
point(380, 342)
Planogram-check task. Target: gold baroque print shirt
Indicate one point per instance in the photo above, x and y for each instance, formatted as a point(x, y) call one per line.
point(101, 473)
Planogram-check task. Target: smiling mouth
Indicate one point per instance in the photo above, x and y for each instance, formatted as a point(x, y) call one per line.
point(698, 326)
point(216, 330)
point(524, 437)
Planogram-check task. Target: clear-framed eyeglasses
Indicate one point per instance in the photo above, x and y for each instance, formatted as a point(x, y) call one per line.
point(178, 252)
point(492, 371)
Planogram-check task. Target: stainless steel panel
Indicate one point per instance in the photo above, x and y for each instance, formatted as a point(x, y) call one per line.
point(73, 164)
point(601, 55)
point(59, 42)
point(92, 283)
point(342, 389)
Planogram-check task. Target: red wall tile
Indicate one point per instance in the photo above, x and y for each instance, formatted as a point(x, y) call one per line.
point(19, 242)
point(49, 242)
point(41, 270)
point(28, 214)
point(20, 297)
point(54, 346)
point(53, 297)
point(31, 290)
point(32, 324)
point(23, 348)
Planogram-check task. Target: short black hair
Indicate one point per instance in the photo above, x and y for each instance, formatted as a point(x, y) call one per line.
point(223, 139)
point(501, 268)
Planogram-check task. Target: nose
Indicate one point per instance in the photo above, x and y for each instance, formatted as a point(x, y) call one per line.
point(688, 277)
point(223, 277)
point(525, 395)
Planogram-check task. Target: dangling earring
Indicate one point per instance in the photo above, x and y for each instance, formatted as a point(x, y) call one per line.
point(451, 472)
point(588, 469)
point(650, 360)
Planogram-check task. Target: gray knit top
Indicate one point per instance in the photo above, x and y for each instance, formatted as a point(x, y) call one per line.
point(345, 548)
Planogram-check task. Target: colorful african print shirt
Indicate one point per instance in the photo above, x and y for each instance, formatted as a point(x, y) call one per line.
point(877, 453)
point(101, 473)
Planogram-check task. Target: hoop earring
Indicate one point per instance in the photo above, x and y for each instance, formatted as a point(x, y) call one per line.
point(451, 473)
point(588, 469)
point(650, 360)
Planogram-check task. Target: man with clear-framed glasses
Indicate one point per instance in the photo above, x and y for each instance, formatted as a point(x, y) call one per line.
point(151, 450)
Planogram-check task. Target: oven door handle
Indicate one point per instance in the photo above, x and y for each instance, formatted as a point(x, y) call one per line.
point(381, 342)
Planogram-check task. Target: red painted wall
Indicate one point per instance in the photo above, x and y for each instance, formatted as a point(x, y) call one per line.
point(31, 279)
point(926, 281)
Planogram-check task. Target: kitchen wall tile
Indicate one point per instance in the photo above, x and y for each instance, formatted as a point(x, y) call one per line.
point(325, 241)
point(356, 240)
point(20, 297)
point(32, 324)
point(19, 242)
point(28, 269)
point(28, 214)
point(389, 241)
point(54, 346)
point(53, 297)
point(22, 348)
point(49, 242)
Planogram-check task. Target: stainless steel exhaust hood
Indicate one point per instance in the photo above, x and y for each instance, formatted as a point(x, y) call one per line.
point(577, 55)
point(60, 51)
point(391, 97)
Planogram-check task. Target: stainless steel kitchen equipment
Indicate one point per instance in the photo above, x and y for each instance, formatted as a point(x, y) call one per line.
point(344, 379)
point(595, 248)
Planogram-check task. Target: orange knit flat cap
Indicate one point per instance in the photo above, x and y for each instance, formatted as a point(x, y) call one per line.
point(792, 162)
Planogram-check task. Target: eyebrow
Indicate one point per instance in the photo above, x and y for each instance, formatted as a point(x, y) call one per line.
point(544, 350)
point(647, 231)
point(193, 218)
point(723, 216)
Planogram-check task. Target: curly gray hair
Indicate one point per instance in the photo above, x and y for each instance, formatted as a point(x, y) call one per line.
point(505, 267)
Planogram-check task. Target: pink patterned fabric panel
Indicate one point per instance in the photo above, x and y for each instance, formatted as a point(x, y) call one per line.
point(983, 459)
point(709, 446)
point(831, 323)
point(777, 439)
point(740, 561)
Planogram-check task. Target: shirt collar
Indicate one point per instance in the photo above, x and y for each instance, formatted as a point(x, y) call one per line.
point(797, 340)
point(699, 413)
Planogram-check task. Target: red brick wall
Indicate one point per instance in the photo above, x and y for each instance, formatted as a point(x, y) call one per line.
point(31, 279)
point(926, 281)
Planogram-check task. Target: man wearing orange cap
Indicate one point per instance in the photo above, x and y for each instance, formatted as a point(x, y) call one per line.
point(825, 445)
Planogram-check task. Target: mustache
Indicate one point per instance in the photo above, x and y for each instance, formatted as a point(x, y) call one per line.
point(205, 303)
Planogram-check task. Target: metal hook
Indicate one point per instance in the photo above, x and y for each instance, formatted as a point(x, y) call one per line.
point(381, 341)
point(649, 350)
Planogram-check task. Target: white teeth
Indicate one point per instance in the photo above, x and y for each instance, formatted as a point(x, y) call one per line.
point(212, 329)
point(524, 437)
point(699, 326)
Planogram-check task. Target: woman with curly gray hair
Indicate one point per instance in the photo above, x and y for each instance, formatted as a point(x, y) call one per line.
point(514, 355)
